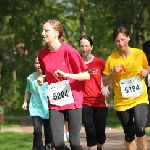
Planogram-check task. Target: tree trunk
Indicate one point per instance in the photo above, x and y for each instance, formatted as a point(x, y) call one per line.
point(82, 21)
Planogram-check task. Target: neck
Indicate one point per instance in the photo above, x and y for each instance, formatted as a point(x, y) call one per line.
point(38, 74)
point(87, 58)
point(54, 46)
point(125, 53)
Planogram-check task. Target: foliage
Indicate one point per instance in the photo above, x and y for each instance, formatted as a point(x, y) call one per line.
point(21, 26)
point(112, 119)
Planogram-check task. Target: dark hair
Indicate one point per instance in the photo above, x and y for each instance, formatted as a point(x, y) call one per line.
point(87, 38)
point(35, 56)
point(146, 50)
point(118, 30)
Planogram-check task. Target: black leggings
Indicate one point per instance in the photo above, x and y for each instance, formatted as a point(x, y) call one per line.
point(37, 139)
point(74, 126)
point(134, 121)
point(94, 121)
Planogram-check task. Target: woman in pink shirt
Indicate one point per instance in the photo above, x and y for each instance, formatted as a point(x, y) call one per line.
point(65, 71)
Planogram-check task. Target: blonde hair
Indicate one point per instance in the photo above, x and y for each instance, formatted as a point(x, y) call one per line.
point(56, 25)
point(62, 40)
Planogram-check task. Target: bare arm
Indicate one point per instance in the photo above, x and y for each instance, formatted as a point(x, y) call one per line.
point(145, 72)
point(79, 76)
point(104, 89)
point(26, 97)
point(107, 80)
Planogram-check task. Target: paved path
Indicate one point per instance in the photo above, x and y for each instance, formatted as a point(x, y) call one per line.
point(114, 136)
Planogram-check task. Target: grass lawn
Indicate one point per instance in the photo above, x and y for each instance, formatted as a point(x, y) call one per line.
point(15, 141)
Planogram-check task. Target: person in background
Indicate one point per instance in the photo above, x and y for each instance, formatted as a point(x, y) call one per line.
point(126, 68)
point(65, 71)
point(146, 50)
point(95, 110)
point(38, 108)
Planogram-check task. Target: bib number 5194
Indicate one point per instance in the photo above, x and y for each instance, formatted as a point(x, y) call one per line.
point(131, 87)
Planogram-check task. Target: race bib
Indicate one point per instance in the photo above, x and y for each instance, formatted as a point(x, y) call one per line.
point(60, 93)
point(148, 80)
point(131, 87)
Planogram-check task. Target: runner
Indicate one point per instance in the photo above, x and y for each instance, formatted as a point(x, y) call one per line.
point(94, 111)
point(64, 70)
point(38, 108)
point(126, 68)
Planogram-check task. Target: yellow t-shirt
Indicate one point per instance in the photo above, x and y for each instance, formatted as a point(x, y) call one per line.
point(131, 67)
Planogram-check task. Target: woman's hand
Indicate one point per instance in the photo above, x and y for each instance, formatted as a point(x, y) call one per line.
point(59, 73)
point(41, 80)
point(24, 106)
point(144, 72)
point(117, 68)
point(105, 91)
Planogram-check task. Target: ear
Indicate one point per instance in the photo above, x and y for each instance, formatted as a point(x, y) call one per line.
point(56, 33)
point(91, 47)
point(128, 38)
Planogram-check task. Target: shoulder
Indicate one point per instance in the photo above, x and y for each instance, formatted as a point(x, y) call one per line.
point(137, 51)
point(69, 48)
point(31, 76)
point(99, 59)
point(43, 51)
point(114, 55)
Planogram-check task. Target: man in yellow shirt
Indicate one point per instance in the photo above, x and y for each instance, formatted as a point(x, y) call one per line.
point(126, 68)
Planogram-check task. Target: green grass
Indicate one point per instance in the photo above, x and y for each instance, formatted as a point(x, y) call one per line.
point(112, 119)
point(148, 131)
point(15, 141)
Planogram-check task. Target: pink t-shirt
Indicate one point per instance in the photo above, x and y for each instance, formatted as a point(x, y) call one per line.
point(67, 59)
point(92, 87)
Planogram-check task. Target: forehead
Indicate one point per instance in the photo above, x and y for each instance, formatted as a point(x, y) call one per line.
point(121, 35)
point(47, 26)
point(85, 42)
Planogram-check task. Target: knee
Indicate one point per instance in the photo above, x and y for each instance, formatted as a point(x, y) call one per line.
point(37, 130)
point(140, 132)
point(129, 137)
point(101, 140)
point(37, 133)
point(91, 133)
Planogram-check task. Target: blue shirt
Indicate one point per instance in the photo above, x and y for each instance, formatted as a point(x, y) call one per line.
point(38, 105)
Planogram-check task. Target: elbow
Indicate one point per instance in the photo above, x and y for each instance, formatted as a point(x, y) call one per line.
point(104, 83)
